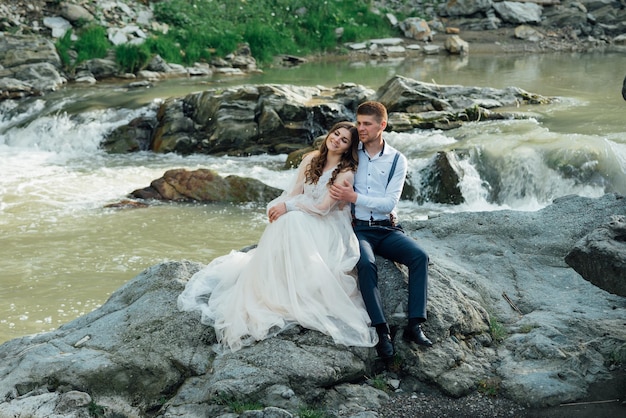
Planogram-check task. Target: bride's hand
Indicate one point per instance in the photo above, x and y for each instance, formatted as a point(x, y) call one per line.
point(276, 211)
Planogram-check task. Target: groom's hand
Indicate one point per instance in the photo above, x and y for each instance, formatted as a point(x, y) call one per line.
point(343, 191)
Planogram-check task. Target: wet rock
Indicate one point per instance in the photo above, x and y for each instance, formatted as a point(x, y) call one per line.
point(135, 136)
point(441, 180)
point(204, 185)
point(99, 68)
point(600, 256)
point(455, 45)
point(252, 119)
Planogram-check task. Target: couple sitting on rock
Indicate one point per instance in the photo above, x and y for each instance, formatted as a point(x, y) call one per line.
point(338, 213)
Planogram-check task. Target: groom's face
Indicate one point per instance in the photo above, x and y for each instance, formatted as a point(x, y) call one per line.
point(369, 128)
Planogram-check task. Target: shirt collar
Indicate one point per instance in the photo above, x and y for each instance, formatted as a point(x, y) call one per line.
point(380, 154)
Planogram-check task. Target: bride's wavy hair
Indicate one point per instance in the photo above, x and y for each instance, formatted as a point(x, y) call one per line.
point(349, 159)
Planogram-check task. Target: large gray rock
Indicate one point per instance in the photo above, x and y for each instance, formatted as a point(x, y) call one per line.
point(546, 342)
point(515, 12)
point(402, 94)
point(600, 256)
point(33, 62)
point(465, 7)
point(253, 119)
point(561, 332)
point(272, 118)
point(75, 13)
point(16, 50)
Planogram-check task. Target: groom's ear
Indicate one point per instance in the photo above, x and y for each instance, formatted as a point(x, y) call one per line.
point(383, 124)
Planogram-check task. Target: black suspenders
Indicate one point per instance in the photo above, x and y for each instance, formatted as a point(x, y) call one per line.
point(391, 172)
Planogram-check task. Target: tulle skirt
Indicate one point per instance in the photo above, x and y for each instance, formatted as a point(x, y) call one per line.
point(301, 272)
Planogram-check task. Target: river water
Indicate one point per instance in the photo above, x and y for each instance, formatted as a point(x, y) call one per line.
point(63, 253)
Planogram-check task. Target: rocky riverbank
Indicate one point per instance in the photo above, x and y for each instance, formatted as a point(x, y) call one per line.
point(516, 331)
point(30, 64)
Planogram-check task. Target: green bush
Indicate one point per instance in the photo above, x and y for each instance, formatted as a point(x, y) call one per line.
point(166, 47)
point(202, 29)
point(132, 58)
point(63, 46)
point(270, 27)
point(92, 43)
point(264, 42)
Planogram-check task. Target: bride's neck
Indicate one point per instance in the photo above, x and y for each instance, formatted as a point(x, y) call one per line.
point(331, 161)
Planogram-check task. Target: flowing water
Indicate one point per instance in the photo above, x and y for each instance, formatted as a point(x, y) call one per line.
point(62, 253)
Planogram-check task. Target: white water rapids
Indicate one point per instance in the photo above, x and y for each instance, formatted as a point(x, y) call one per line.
point(63, 253)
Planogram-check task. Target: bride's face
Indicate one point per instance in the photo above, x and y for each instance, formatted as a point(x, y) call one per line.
point(338, 141)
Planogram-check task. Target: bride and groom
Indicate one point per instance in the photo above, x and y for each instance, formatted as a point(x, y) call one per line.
point(338, 213)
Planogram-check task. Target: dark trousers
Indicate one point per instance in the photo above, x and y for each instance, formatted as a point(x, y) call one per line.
point(392, 244)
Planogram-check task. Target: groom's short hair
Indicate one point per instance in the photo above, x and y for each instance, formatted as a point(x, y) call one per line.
point(372, 108)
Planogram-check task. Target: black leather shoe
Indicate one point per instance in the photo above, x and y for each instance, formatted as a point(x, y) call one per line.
point(384, 348)
point(415, 335)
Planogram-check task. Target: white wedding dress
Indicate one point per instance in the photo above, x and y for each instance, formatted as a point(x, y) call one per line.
point(301, 272)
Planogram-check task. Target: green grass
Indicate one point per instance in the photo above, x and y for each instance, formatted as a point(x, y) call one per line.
point(63, 46)
point(379, 382)
point(92, 43)
point(236, 405)
point(96, 410)
point(132, 58)
point(490, 386)
point(496, 329)
point(307, 412)
point(200, 30)
point(270, 27)
point(240, 407)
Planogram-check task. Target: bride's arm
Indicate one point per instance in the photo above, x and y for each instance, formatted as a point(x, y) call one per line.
point(326, 203)
point(285, 202)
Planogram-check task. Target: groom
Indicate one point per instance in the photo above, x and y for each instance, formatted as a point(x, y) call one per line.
point(377, 188)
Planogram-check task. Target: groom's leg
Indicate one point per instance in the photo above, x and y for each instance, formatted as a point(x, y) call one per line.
point(368, 279)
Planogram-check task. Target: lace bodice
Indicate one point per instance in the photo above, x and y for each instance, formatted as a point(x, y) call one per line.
point(318, 190)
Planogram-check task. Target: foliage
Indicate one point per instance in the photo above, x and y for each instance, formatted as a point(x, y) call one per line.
point(312, 413)
point(239, 407)
point(236, 405)
point(379, 382)
point(92, 43)
point(132, 58)
point(490, 386)
point(496, 329)
point(96, 410)
point(165, 47)
point(204, 28)
point(63, 46)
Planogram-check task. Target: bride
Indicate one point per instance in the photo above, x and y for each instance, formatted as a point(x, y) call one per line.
point(301, 272)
